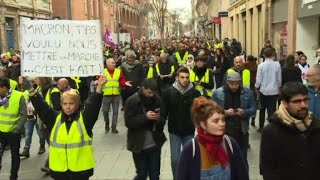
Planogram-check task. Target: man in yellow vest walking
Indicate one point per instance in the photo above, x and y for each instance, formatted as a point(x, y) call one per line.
point(181, 55)
point(71, 151)
point(202, 77)
point(111, 93)
point(238, 66)
point(13, 115)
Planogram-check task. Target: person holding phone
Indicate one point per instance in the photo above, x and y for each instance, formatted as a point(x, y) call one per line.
point(239, 104)
point(145, 130)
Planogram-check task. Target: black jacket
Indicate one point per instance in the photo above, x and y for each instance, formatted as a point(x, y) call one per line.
point(90, 116)
point(291, 75)
point(137, 122)
point(165, 69)
point(177, 107)
point(287, 153)
point(14, 72)
point(136, 75)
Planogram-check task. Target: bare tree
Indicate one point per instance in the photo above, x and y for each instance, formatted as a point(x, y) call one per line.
point(159, 10)
point(176, 13)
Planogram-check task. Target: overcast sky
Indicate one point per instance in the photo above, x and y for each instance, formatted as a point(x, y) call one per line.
point(181, 4)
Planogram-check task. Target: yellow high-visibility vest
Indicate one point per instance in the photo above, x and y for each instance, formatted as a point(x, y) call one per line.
point(218, 45)
point(112, 86)
point(184, 60)
point(204, 79)
point(13, 84)
point(48, 95)
point(9, 116)
point(245, 77)
point(70, 150)
point(150, 73)
point(158, 70)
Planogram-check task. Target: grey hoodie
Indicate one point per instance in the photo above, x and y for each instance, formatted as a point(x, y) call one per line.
point(177, 86)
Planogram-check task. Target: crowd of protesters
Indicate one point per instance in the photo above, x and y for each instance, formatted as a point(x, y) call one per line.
point(208, 91)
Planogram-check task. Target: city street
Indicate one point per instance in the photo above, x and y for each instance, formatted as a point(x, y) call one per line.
point(113, 160)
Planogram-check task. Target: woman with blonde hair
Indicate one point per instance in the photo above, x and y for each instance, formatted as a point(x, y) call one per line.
point(71, 150)
point(211, 154)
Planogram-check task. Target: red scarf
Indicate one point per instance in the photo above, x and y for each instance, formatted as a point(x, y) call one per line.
point(213, 145)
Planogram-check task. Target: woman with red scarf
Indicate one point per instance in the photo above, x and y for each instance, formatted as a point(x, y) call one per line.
point(211, 154)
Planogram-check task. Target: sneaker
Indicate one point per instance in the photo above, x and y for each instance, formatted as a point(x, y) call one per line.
point(25, 152)
point(42, 150)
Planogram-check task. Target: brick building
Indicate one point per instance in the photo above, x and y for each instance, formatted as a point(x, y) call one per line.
point(115, 15)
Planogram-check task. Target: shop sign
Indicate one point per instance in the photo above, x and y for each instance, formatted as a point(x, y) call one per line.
point(223, 14)
point(216, 20)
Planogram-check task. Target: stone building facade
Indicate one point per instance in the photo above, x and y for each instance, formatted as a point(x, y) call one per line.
point(12, 12)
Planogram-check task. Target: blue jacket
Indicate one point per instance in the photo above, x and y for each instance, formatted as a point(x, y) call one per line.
point(314, 103)
point(248, 104)
point(189, 166)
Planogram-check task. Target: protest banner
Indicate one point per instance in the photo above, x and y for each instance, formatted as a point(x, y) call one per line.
point(61, 48)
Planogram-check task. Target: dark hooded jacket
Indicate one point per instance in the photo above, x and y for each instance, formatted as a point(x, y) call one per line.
point(287, 153)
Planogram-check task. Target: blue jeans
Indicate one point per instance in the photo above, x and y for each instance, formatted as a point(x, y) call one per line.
point(147, 162)
point(29, 131)
point(175, 147)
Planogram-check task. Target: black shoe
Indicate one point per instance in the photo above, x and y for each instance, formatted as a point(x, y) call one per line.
point(114, 130)
point(25, 153)
point(42, 150)
point(253, 123)
point(259, 130)
point(45, 169)
point(107, 129)
point(121, 109)
point(249, 146)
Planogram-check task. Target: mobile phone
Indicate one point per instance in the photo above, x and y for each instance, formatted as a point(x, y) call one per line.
point(157, 110)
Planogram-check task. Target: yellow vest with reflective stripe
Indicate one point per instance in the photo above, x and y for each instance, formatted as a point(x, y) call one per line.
point(112, 86)
point(70, 150)
point(158, 70)
point(184, 60)
point(48, 95)
point(9, 116)
point(245, 77)
point(13, 84)
point(205, 79)
point(150, 73)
